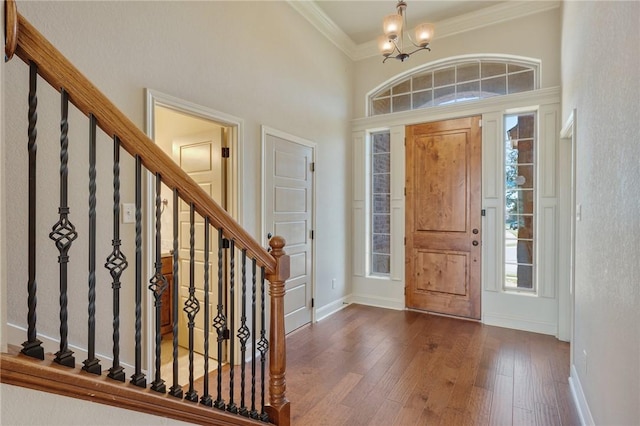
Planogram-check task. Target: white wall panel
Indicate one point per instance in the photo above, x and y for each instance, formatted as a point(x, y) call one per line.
point(397, 202)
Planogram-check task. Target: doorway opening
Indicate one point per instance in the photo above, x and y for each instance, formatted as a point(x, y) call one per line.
point(203, 143)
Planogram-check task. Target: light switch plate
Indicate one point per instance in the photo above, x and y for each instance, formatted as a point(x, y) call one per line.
point(128, 213)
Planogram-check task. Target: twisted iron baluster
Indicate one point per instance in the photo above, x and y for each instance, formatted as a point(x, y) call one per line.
point(254, 413)
point(32, 347)
point(138, 378)
point(263, 346)
point(92, 364)
point(116, 264)
point(243, 334)
point(231, 407)
point(220, 324)
point(206, 398)
point(191, 305)
point(176, 389)
point(158, 285)
point(64, 233)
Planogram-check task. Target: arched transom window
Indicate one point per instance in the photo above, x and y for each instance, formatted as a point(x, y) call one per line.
point(455, 81)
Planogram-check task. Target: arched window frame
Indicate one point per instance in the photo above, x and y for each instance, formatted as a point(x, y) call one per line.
point(514, 66)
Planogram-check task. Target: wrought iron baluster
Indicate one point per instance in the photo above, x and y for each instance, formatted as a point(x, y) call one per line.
point(243, 334)
point(220, 324)
point(158, 285)
point(116, 264)
point(254, 413)
point(176, 388)
point(64, 233)
point(138, 378)
point(191, 305)
point(32, 347)
point(206, 398)
point(231, 407)
point(92, 364)
point(263, 347)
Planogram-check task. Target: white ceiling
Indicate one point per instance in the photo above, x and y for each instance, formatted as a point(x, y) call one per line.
point(361, 20)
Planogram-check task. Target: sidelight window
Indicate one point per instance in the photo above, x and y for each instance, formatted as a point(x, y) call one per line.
point(519, 201)
point(380, 181)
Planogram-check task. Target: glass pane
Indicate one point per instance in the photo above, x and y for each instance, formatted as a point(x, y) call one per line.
point(385, 93)
point(444, 95)
point(468, 91)
point(524, 229)
point(381, 203)
point(380, 264)
point(424, 81)
point(381, 243)
point(518, 276)
point(444, 77)
point(519, 176)
point(521, 82)
point(422, 99)
point(381, 163)
point(401, 103)
point(381, 142)
point(519, 201)
point(489, 69)
point(404, 87)
point(495, 86)
point(515, 68)
point(381, 224)
point(381, 106)
point(382, 183)
point(468, 72)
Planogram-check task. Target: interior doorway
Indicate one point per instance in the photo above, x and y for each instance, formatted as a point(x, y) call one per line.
point(202, 142)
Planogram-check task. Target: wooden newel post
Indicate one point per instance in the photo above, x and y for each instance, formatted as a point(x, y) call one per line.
point(278, 409)
point(10, 29)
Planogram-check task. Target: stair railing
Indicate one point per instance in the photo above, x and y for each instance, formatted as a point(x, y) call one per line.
point(45, 61)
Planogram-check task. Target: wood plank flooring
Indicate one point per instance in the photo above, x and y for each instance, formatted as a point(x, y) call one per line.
point(374, 366)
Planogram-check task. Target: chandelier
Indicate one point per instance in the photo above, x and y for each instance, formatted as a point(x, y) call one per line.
point(391, 44)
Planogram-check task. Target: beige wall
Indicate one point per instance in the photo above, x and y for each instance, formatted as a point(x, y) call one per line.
point(601, 79)
point(535, 36)
point(259, 61)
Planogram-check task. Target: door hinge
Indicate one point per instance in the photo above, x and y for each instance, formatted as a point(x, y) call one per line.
point(226, 152)
point(313, 302)
point(312, 234)
point(313, 166)
point(483, 212)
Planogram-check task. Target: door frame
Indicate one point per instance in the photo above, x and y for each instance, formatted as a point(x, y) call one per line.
point(154, 98)
point(265, 130)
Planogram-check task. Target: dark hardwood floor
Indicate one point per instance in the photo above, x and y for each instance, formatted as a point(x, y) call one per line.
point(373, 366)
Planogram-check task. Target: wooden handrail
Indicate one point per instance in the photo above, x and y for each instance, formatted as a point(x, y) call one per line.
point(60, 73)
point(10, 29)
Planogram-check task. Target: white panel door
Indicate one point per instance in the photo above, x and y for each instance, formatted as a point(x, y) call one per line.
point(288, 207)
point(200, 156)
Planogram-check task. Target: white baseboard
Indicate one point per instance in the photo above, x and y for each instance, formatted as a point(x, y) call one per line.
point(519, 324)
point(579, 398)
point(331, 308)
point(380, 302)
point(17, 333)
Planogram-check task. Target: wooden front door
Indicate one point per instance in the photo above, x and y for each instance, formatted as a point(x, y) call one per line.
point(443, 219)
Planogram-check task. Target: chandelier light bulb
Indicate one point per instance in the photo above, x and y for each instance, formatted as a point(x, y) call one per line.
point(393, 39)
point(424, 34)
point(392, 26)
point(385, 45)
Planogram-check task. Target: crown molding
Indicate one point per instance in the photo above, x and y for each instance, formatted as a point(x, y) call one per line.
point(468, 22)
point(312, 13)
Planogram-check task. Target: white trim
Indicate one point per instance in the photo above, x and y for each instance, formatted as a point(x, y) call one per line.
point(16, 333)
point(377, 301)
point(488, 16)
point(579, 398)
point(507, 321)
point(312, 13)
point(264, 131)
point(331, 308)
point(567, 130)
point(153, 99)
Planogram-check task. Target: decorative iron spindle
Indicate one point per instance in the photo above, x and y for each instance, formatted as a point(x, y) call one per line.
point(158, 285)
point(191, 305)
point(32, 347)
point(263, 346)
point(64, 233)
point(138, 378)
point(220, 324)
point(243, 334)
point(254, 413)
point(231, 407)
point(92, 364)
point(116, 264)
point(206, 398)
point(176, 388)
